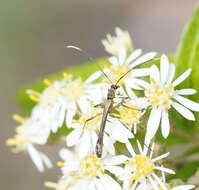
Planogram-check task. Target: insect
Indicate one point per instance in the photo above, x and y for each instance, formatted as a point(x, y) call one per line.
point(108, 105)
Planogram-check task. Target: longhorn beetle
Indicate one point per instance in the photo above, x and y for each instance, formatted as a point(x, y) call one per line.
point(108, 105)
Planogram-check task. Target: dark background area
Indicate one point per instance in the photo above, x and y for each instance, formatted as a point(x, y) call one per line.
point(32, 35)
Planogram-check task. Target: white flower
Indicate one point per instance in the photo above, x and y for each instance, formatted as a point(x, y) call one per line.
point(176, 184)
point(86, 130)
point(29, 134)
point(141, 167)
point(161, 95)
point(113, 43)
point(122, 70)
point(61, 99)
point(90, 172)
point(146, 185)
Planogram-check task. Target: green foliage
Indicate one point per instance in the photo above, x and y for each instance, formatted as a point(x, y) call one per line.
point(186, 172)
point(187, 55)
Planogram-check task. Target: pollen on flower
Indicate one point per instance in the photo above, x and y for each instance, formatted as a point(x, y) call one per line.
point(142, 166)
point(20, 142)
point(60, 164)
point(47, 82)
point(11, 142)
point(160, 95)
point(33, 95)
point(50, 184)
point(92, 120)
point(130, 115)
point(18, 118)
point(91, 166)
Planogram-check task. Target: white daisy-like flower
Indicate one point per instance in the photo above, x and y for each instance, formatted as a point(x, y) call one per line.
point(176, 184)
point(162, 95)
point(29, 134)
point(86, 130)
point(60, 101)
point(141, 167)
point(130, 113)
point(90, 172)
point(146, 185)
point(113, 43)
point(122, 70)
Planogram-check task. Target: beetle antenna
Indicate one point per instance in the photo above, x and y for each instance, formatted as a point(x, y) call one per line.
point(90, 58)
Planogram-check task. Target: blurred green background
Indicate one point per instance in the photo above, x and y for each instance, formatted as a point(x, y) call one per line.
point(32, 35)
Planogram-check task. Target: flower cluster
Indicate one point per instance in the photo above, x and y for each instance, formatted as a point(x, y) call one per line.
point(108, 109)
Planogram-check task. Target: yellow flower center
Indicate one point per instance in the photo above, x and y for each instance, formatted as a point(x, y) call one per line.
point(130, 115)
point(142, 167)
point(92, 120)
point(160, 95)
point(91, 166)
point(74, 90)
point(116, 72)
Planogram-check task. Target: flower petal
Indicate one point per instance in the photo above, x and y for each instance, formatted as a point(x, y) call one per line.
point(85, 145)
point(115, 160)
point(110, 183)
point(99, 185)
point(145, 58)
point(153, 122)
point(121, 55)
point(35, 157)
point(183, 187)
point(133, 56)
point(182, 77)
point(186, 91)
point(69, 117)
point(140, 72)
point(116, 170)
point(165, 126)
point(74, 136)
point(187, 103)
point(167, 170)
point(153, 183)
point(183, 111)
point(159, 181)
point(46, 160)
point(160, 157)
point(130, 149)
point(154, 73)
point(93, 77)
point(113, 60)
point(171, 73)
point(164, 68)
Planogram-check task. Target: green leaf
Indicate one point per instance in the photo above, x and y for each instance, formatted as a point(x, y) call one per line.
point(186, 172)
point(187, 55)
